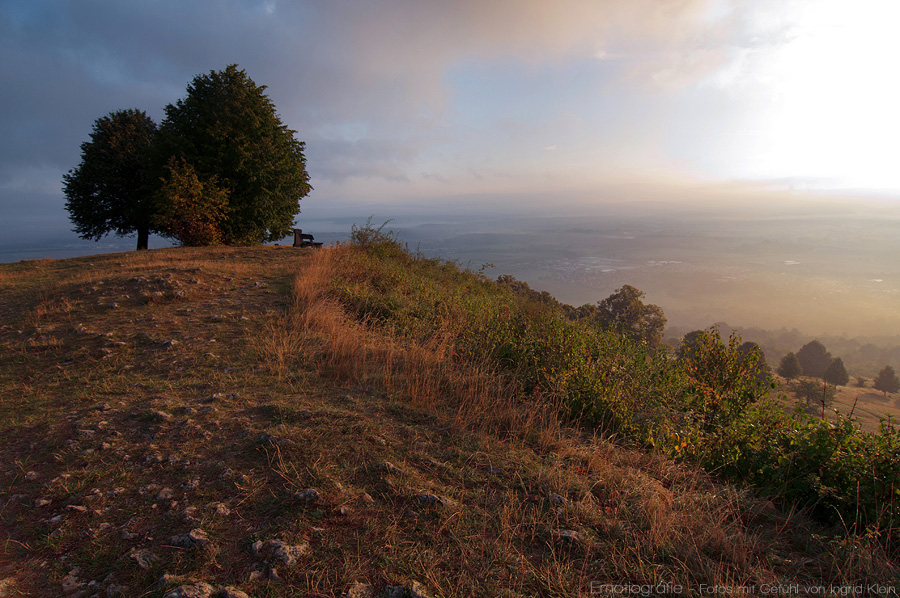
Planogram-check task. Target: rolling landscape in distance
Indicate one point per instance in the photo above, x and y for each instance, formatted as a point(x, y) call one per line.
point(590, 297)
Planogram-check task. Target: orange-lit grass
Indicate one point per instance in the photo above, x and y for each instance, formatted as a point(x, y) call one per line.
point(420, 371)
point(453, 430)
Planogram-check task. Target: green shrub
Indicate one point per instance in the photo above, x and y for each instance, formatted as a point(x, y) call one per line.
point(711, 405)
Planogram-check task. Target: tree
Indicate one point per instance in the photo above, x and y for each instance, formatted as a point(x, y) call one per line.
point(624, 312)
point(226, 127)
point(111, 190)
point(789, 368)
point(814, 359)
point(836, 373)
point(811, 390)
point(190, 211)
point(689, 343)
point(886, 381)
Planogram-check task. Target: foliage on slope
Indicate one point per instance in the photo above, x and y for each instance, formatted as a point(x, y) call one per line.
point(145, 395)
point(710, 406)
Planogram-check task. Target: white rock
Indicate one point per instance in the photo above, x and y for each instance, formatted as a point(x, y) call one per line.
point(309, 495)
point(359, 590)
point(198, 590)
point(195, 537)
point(276, 551)
point(143, 557)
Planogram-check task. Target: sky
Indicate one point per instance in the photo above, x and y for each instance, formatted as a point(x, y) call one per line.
point(430, 104)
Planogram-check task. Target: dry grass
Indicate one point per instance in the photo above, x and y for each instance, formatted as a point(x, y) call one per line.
point(866, 405)
point(420, 372)
point(269, 388)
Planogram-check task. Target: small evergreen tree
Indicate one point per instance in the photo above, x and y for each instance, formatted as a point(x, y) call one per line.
point(887, 381)
point(789, 368)
point(836, 373)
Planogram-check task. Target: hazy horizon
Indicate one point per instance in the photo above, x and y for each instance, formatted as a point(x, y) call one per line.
point(824, 267)
point(747, 146)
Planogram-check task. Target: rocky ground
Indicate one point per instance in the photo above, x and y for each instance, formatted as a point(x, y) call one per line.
point(150, 448)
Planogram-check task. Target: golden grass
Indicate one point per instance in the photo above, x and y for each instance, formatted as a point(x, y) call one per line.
point(344, 396)
point(421, 372)
point(51, 308)
point(702, 525)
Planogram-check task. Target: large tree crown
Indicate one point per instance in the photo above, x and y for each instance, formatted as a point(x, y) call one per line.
point(230, 152)
point(227, 127)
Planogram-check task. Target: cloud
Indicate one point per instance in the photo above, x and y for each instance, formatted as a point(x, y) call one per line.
point(329, 66)
point(67, 62)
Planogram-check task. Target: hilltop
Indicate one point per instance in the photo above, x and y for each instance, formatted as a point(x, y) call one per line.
point(261, 421)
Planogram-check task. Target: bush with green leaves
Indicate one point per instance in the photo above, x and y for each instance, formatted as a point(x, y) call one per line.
point(190, 210)
point(709, 406)
point(724, 378)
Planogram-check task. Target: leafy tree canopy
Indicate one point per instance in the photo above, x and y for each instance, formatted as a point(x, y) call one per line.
point(226, 127)
point(750, 350)
point(814, 359)
point(887, 381)
point(625, 312)
point(789, 368)
point(111, 190)
point(190, 211)
point(836, 373)
point(689, 343)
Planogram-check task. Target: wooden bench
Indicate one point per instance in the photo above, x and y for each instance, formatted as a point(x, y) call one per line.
point(302, 240)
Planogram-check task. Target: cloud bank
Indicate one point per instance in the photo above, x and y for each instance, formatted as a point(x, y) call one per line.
point(411, 98)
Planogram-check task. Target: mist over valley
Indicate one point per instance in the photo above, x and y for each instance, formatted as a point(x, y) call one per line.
point(823, 269)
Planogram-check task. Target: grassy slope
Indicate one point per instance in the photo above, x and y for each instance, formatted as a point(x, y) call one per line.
point(869, 405)
point(270, 388)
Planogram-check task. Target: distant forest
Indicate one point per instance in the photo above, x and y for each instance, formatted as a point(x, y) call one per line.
point(862, 356)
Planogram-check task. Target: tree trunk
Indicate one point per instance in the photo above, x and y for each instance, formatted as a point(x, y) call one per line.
point(143, 239)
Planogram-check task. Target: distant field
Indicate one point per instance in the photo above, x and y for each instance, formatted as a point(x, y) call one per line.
point(870, 405)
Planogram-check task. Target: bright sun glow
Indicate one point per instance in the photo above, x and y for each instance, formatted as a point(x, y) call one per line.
point(835, 96)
